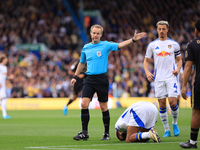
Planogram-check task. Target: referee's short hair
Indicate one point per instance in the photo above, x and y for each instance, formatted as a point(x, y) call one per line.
point(197, 25)
point(97, 26)
point(162, 22)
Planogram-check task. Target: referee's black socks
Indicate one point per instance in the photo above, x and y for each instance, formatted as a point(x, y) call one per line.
point(85, 117)
point(70, 101)
point(106, 121)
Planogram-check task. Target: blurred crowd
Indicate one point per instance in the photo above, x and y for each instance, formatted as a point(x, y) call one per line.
point(34, 21)
point(49, 22)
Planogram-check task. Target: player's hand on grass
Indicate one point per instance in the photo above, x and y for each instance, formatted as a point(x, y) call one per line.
point(138, 36)
point(183, 92)
point(150, 77)
point(73, 81)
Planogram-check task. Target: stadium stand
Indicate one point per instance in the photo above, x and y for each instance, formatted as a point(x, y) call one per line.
point(44, 74)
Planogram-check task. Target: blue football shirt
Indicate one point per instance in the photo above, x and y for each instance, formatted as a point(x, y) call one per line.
point(96, 56)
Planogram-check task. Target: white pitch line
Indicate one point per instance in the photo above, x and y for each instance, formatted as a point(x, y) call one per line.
point(51, 147)
point(71, 146)
point(62, 148)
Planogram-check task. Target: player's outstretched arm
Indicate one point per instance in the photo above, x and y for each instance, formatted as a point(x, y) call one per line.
point(136, 37)
point(187, 73)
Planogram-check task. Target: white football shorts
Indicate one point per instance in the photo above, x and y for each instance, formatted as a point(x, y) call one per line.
point(168, 88)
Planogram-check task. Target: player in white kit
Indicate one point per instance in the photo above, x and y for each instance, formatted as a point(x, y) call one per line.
point(137, 122)
point(3, 75)
point(165, 51)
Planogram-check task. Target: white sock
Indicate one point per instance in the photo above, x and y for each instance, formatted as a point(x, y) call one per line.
point(175, 112)
point(145, 135)
point(193, 142)
point(164, 118)
point(142, 135)
point(4, 107)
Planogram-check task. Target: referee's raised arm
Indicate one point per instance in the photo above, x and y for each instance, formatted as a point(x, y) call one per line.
point(136, 37)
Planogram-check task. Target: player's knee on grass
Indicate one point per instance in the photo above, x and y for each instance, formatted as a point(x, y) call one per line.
point(129, 141)
point(131, 138)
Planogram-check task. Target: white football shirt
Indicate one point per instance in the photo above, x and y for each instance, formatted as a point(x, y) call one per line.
point(140, 114)
point(3, 74)
point(164, 53)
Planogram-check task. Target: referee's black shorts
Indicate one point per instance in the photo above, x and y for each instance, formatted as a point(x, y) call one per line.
point(96, 83)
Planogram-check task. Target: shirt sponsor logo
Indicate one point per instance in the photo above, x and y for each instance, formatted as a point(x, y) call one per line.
point(163, 54)
point(99, 53)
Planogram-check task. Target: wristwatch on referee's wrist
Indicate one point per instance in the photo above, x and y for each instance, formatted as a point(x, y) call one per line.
point(75, 77)
point(133, 40)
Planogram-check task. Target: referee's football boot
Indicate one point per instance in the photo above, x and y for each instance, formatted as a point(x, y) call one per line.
point(154, 135)
point(106, 136)
point(81, 136)
point(188, 145)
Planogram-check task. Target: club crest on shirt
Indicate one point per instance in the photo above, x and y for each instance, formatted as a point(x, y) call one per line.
point(99, 53)
point(186, 54)
point(169, 46)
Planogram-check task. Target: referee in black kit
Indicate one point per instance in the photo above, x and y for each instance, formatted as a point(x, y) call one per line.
point(95, 54)
point(192, 57)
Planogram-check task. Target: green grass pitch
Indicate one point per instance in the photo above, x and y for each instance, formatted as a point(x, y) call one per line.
point(50, 129)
